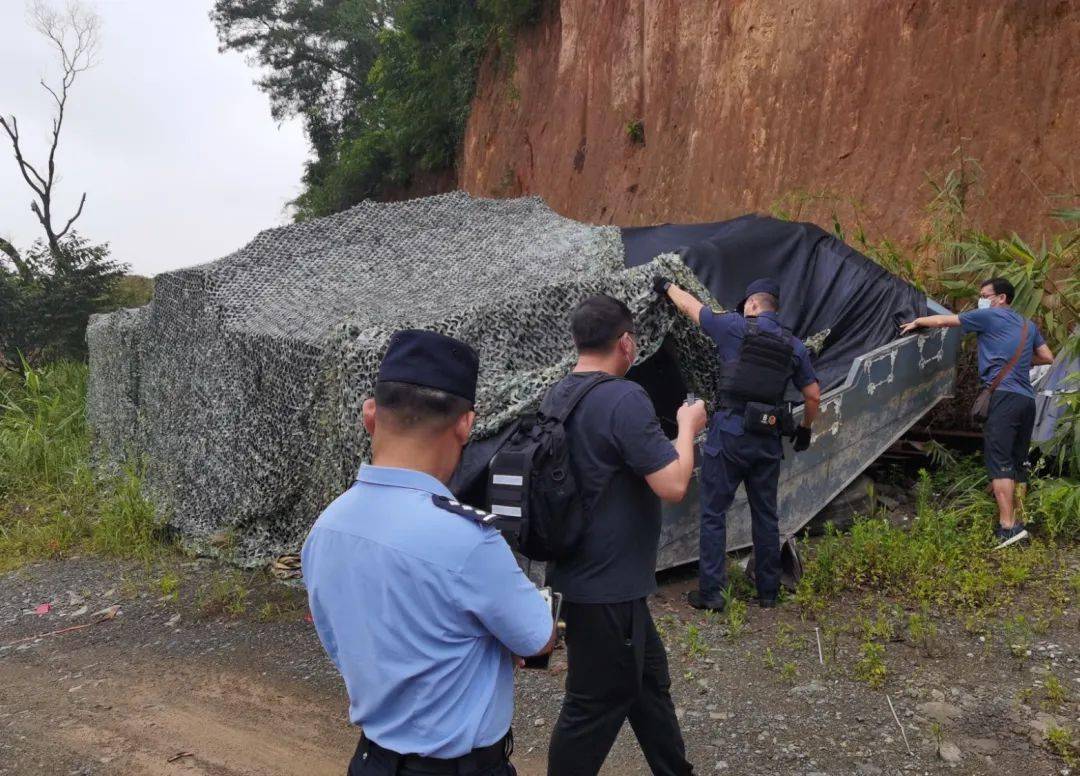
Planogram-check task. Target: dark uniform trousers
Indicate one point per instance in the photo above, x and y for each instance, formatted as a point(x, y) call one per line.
point(753, 459)
point(371, 759)
point(617, 670)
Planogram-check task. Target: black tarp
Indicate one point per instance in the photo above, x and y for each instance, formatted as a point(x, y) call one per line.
point(824, 283)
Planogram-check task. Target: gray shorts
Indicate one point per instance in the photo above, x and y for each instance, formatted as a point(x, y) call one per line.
point(1007, 435)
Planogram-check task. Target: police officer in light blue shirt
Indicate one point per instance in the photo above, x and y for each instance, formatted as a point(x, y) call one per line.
point(416, 598)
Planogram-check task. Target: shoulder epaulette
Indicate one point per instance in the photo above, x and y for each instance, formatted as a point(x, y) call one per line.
point(464, 510)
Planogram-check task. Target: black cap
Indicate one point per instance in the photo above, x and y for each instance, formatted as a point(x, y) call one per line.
point(759, 286)
point(432, 360)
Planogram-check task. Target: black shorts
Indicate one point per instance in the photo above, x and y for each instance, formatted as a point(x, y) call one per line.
point(1007, 435)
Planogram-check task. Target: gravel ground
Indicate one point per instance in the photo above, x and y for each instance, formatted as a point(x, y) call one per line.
point(179, 684)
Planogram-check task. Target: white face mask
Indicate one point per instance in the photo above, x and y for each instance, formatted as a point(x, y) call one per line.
point(984, 303)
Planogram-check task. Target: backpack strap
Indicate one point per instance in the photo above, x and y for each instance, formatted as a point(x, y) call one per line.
point(560, 410)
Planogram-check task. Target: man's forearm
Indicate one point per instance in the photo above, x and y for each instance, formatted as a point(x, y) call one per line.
point(685, 302)
point(810, 411)
point(684, 446)
point(936, 321)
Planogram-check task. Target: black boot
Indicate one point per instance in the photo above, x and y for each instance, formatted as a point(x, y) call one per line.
point(695, 600)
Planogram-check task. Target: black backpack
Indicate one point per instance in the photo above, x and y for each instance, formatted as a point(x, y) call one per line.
point(531, 478)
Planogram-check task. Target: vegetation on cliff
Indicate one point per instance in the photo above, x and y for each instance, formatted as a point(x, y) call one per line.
point(384, 86)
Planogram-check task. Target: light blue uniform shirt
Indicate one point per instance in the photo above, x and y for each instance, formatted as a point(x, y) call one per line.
point(420, 609)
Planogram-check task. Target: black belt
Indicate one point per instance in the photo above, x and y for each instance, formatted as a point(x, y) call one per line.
point(477, 760)
point(739, 405)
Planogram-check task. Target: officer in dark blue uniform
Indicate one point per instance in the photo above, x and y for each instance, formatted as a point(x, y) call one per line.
point(417, 598)
point(757, 359)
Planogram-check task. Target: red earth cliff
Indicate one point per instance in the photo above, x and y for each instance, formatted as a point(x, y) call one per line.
point(742, 101)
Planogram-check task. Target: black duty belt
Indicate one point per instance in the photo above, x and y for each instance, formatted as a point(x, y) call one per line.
point(477, 760)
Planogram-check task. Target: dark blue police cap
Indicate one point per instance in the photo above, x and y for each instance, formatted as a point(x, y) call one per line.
point(760, 286)
point(432, 360)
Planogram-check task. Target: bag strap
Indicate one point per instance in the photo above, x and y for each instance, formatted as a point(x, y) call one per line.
point(562, 410)
point(1012, 361)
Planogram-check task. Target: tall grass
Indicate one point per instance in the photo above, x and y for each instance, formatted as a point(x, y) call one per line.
point(51, 502)
point(945, 557)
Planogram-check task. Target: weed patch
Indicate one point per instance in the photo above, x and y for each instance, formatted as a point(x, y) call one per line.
point(53, 505)
point(945, 558)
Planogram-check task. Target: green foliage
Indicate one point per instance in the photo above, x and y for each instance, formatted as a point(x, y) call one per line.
point(129, 291)
point(51, 504)
point(384, 86)
point(1061, 743)
point(695, 642)
point(1053, 505)
point(735, 611)
point(226, 595)
point(1054, 691)
point(943, 558)
point(1018, 635)
point(43, 315)
point(1063, 448)
point(870, 667)
point(1045, 277)
point(169, 585)
point(314, 55)
point(922, 632)
point(635, 132)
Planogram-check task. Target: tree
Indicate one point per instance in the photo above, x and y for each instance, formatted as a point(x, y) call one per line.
point(46, 302)
point(316, 55)
point(75, 34)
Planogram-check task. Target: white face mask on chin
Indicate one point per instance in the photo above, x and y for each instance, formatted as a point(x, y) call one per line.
point(984, 303)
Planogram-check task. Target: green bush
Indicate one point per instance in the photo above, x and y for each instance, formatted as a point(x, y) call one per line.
point(51, 503)
point(944, 558)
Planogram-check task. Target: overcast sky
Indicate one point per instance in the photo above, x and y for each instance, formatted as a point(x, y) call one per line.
point(172, 142)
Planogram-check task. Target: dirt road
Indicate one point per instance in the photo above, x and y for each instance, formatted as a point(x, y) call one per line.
point(173, 685)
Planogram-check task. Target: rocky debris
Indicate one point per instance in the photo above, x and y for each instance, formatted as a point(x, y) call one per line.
point(950, 752)
point(943, 713)
point(1040, 726)
point(982, 746)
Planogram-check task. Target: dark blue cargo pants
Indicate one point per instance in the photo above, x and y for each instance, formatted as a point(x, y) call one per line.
point(728, 460)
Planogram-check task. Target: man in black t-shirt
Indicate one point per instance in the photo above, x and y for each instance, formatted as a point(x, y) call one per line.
point(624, 465)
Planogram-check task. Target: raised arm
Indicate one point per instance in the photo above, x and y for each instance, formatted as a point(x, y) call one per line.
point(684, 301)
point(931, 322)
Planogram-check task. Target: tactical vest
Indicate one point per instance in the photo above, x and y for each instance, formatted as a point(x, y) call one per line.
point(762, 370)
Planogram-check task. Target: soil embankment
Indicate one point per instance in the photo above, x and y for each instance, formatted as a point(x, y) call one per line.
point(742, 102)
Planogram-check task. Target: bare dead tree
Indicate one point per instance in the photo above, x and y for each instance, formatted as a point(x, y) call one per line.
point(75, 33)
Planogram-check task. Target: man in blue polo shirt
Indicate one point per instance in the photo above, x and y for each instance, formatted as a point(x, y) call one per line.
point(1008, 427)
point(416, 598)
point(757, 358)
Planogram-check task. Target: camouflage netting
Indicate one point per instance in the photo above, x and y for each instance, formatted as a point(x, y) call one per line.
point(239, 387)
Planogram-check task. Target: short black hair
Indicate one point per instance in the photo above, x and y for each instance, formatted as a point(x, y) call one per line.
point(598, 321)
point(766, 300)
point(1001, 286)
point(417, 406)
